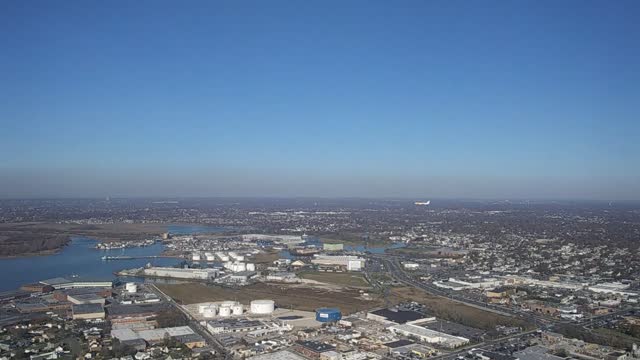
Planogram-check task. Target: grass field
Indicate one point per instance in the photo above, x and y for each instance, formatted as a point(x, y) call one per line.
point(454, 311)
point(266, 257)
point(299, 298)
point(344, 279)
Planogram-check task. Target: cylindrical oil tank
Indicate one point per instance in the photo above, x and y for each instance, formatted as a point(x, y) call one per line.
point(251, 267)
point(224, 311)
point(202, 308)
point(229, 303)
point(328, 314)
point(262, 306)
point(209, 312)
point(237, 309)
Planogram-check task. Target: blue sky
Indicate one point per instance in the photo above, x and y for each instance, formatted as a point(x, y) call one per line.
point(493, 99)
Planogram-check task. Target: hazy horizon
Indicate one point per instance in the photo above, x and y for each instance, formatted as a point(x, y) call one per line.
point(499, 100)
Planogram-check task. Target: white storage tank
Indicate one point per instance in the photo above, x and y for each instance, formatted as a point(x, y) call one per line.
point(131, 288)
point(237, 309)
point(202, 308)
point(251, 267)
point(262, 306)
point(225, 311)
point(209, 312)
point(228, 303)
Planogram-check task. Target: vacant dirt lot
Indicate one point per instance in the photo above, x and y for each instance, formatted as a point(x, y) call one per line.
point(297, 297)
point(343, 279)
point(454, 311)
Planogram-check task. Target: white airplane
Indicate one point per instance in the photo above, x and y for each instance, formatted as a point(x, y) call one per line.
point(422, 203)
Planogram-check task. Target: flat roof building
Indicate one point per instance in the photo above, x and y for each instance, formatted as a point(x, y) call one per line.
point(87, 311)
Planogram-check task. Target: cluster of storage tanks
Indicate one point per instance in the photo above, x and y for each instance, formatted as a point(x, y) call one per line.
point(232, 256)
point(239, 266)
point(224, 309)
point(233, 308)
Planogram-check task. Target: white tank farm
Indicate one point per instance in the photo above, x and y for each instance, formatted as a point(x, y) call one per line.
point(237, 309)
point(225, 311)
point(209, 312)
point(131, 288)
point(262, 306)
point(239, 266)
point(251, 267)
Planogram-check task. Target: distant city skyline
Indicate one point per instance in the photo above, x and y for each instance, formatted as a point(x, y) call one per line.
point(499, 100)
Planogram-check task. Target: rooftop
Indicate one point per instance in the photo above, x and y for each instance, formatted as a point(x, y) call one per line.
point(315, 346)
point(399, 316)
point(87, 308)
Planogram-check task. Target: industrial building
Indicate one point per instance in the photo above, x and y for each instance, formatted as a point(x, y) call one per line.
point(282, 239)
point(194, 274)
point(64, 283)
point(183, 334)
point(349, 263)
point(87, 311)
point(396, 316)
point(234, 325)
point(429, 336)
point(312, 349)
point(278, 355)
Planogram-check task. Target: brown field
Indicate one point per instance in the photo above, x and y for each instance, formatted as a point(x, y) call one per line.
point(266, 257)
point(297, 297)
point(343, 279)
point(454, 311)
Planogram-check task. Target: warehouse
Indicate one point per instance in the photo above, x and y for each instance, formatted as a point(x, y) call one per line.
point(312, 349)
point(183, 334)
point(395, 316)
point(234, 325)
point(63, 283)
point(194, 274)
point(349, 263)
point(429, 336)
point(86, 299)
point(87, 311)
point(278, 355)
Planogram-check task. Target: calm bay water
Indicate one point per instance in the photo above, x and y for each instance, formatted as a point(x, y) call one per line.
point(78, 258)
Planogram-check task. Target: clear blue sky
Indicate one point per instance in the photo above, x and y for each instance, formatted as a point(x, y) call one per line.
point(481, 99)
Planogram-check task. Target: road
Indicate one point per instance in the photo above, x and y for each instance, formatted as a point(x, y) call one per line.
point(195, 325)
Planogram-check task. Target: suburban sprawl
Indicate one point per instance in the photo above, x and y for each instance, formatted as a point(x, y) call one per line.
point(350, 279)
